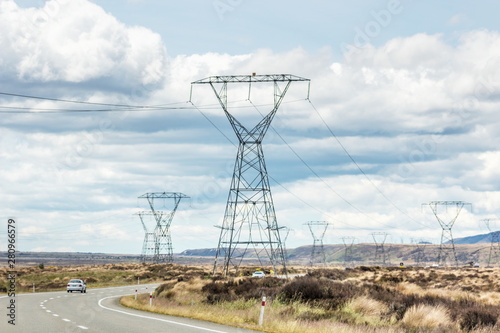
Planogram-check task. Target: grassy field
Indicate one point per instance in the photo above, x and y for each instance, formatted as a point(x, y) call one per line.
point(362, 299)
point(53, 278)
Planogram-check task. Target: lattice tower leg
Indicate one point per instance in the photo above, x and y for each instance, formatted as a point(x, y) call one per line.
point(447, 248)
point(250, 224)
point(494, 255)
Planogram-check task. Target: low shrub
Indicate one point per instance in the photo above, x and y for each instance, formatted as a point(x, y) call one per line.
point(333, 274)
point(162, 288)
point(256, 288)
point(219, 292)
point(322, 292)
point(478, 318)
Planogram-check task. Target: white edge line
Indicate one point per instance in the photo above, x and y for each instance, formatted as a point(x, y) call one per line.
point(146, 317)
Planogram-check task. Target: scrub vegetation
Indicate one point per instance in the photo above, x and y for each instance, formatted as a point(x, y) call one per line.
point(362, 299)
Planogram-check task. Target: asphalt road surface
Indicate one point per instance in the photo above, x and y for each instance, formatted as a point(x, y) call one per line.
point(98, 310)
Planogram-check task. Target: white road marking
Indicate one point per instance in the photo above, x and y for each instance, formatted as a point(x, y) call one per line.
point(83, 327)
point(153, 318)
point(55, 315)
point(48, 311)
point(66, 320)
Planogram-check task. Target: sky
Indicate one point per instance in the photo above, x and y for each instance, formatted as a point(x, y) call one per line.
point(401, 111)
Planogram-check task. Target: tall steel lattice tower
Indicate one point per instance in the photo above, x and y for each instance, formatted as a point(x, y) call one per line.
point(447, 246)
point(318, 230)
point(494, 255)
point(157, 246)
point(249, 220)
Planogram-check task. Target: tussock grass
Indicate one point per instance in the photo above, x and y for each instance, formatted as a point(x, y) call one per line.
point(426, 316)
point(368, 299)
point(363, 299)
point(368, 306)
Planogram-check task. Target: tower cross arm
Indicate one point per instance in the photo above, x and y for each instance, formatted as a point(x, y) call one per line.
point(448, 203)
point(250, 78)
point(161, 195)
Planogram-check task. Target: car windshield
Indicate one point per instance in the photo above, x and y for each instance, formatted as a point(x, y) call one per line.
point(75, 281)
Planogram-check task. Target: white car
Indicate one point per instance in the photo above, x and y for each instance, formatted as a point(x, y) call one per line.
point(76, 285)
point(259, 274)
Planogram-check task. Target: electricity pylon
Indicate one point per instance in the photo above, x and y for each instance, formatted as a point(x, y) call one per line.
point(379, 240)
point(348, 244)
point(249, 219)
point(447, 246)
point(420, 251)
point(149, 243)
point(163, 252)
point(318, 230)
point(494, 255)
point(286, 231)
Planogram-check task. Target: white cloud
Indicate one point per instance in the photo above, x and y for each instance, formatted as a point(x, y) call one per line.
point(77, 41)
point(458, 19)
point(418, 114)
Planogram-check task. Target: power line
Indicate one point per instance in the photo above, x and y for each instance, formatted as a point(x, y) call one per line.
point(116, 107)
point(320, 178)
point(359, 168)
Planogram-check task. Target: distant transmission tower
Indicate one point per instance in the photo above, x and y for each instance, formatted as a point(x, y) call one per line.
point(348, 244)
point(494, 255)
point(149, 245)
point(447, 246)
point(162, 251)
point(318, 230)
point(250, 220)
point(380, 253)
point(286, 231)
point(419, 253)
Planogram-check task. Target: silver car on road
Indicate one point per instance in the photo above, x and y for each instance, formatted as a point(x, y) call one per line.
point(76, 285)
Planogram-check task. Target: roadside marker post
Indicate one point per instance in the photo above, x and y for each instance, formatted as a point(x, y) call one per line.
point(151, 299)
point(135, 298)
point(33, 287)
point(261, 317)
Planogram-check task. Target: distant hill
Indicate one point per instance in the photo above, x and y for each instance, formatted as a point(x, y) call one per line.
point(468, 249)
point(477, 239)
point(358, 254)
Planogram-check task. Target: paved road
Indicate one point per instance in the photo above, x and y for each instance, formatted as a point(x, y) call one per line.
point(96, 311)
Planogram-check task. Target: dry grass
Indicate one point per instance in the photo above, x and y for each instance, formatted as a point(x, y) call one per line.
point(56, 277)
point(368, 306)
point(364, 299)
point(376, 300)
point(426, 316)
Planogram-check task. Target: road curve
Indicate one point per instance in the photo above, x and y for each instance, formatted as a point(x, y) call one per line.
point(98, 310)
